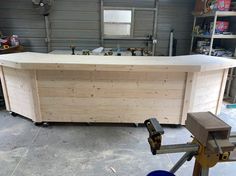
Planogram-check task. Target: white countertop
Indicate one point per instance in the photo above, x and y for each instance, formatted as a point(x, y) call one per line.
point(188, 63)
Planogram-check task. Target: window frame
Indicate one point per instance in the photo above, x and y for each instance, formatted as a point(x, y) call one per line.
point(118, 36)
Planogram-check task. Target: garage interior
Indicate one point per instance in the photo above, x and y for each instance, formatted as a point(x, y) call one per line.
point(116, 88)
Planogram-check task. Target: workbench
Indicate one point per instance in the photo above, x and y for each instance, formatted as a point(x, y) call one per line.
point(125, 89)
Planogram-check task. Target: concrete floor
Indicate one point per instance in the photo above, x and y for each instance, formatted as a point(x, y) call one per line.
point(79, 150)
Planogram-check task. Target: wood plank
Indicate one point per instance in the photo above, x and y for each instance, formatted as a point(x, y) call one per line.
point(110, 96)
point(74, 75)
point(109, 110)
point(189, 63)
point(189, 95)
point(117, 89)
point(35, 94)
point(205, 124)
point(4, 89)
point(221, 92)
point(207, 91)
point(110, 93)
point(20, 91)
point(119, 84)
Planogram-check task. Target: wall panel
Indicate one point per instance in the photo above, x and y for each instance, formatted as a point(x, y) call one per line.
point(78, 22)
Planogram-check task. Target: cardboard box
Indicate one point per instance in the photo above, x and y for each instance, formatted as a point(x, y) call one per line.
point(205, 6)
point(200, 6)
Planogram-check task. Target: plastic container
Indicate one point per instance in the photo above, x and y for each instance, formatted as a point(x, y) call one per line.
point(15, 40)
point(223, 5)
point(222, 26)
point(160, 173)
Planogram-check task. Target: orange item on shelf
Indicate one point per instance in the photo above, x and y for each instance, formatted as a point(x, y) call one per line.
point(6, 46)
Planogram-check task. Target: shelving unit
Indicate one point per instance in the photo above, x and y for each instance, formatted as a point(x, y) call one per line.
point(214, 36)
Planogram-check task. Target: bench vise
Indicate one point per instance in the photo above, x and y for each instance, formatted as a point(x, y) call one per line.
point(212, 142)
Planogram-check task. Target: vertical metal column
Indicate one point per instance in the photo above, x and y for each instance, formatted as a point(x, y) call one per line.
point(181, 161)
point(192, 40)
point(48, 33)
point(132, 23)
point(205, 172)
point(213, 34)
point(228, 86)
point(155, 29)
point(102, 23)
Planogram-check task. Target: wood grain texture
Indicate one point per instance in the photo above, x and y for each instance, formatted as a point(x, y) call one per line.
point(4, 89)
point(83, 96)
point(222, 91)
point(192, 63)
point(206, 95)
point(205, 124)
point(35, 94)
point(47, 87)
point(21, 92)
point(189, 95)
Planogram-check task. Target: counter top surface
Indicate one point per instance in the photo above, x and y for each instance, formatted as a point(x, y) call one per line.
point(188, 63)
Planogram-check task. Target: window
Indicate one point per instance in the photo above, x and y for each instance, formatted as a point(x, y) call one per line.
point(117, 23)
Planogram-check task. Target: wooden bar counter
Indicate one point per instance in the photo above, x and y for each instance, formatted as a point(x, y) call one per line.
point(125, 89)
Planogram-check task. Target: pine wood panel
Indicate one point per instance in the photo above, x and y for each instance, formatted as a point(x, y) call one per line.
point(47, 87)
point(21, 92)
point(4, 89)
point(40, 61)
point(109, 110)
point(207, 91)
point(83, 96)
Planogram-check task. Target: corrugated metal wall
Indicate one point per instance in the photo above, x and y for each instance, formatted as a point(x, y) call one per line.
point(19, 17)
point(175, 14)
point(78, 22)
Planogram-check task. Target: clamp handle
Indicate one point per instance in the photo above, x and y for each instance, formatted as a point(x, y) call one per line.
point(155, 131)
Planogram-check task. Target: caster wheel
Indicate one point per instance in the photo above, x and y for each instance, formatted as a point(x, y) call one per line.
point(45, 124)
point(13, 114)
point(42, 124)
point(136, 124)
point(88, 123)
point(38, 123)
point(175, 126)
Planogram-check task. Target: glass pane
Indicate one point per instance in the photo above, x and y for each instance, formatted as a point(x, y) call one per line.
point(117, 16)
point(117, 29)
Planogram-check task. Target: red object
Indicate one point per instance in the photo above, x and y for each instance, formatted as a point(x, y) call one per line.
point(222, 26)
point(5, 41)
point(223, 5)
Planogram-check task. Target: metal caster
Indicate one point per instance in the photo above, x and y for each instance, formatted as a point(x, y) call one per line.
point(88, 123)
point(37, 123)
point(42, 124)
point(13, 114)
point(175, 126)
point(45, 124)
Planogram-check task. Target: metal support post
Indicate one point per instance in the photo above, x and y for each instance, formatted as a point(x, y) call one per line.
point(186, 157)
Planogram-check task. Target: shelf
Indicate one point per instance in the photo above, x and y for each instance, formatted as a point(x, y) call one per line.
point(211, 37)
point(201, 36)
point(220, 36)
point(128, 8)
point(194, 53)
point(234, 57)
point(125, 38)
point(216, 36)
point(217, 13)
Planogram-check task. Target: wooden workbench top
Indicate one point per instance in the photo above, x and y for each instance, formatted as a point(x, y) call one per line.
point(189, 63)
